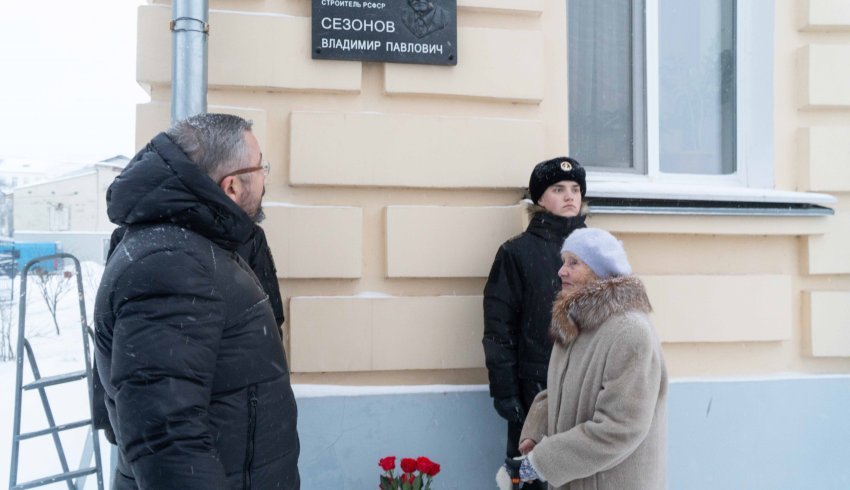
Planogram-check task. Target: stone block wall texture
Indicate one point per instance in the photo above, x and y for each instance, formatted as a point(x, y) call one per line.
point(392, 186)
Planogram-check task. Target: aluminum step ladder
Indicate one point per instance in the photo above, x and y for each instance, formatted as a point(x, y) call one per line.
point(75, 479)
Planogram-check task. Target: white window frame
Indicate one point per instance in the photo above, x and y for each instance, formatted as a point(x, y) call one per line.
point(754, 118)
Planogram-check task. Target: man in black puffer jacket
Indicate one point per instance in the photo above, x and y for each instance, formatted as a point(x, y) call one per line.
point(256, 253)
point(187, 344)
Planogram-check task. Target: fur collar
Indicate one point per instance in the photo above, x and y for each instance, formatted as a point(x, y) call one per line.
point(589, 307)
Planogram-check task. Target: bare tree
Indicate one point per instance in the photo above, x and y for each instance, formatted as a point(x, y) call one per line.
point(52, 288)
point(8, 269)
point(7, 305)
point(91, 280)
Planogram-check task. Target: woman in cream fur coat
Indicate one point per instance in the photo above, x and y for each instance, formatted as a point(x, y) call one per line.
point(602, 422)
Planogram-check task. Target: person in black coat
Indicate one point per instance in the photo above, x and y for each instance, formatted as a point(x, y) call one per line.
point(187, 345)
point(521, 288)
point(256, 252)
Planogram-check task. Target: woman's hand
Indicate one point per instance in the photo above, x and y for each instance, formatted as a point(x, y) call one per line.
point(526, 446)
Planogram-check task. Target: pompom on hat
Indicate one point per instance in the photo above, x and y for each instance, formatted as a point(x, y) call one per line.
point(553, 171)
point(600, 250)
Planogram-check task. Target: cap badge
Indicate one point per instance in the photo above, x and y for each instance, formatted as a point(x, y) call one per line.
point(566, 166)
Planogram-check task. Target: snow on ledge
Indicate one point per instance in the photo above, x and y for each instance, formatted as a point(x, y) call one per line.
point(646, 190)
point(767, 378)
point(379, 295)
point(282, 204)
point(319, 391)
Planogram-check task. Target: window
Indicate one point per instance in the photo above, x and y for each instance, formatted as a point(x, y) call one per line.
point(655, 86)
point(607, 127)
point(59, 216)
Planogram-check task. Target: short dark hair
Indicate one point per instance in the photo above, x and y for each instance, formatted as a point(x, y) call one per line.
point(214, 142)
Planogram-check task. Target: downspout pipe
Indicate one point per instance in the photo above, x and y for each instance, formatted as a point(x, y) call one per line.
point(190, 30)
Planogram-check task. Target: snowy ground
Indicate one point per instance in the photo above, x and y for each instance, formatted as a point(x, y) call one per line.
point(55, 354)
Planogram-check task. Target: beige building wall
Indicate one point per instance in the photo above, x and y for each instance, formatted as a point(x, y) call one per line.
point(822, 119)
point(392, 186)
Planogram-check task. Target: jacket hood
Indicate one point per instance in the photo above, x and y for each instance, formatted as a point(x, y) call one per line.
point(161, 185)
point(591, 306)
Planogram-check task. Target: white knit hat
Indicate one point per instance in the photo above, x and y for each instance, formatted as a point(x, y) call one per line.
point(600, 250)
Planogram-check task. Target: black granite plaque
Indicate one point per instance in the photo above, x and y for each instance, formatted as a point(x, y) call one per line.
point(400, 31)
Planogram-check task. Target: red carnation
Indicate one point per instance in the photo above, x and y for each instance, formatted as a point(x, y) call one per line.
point(388, 463)
point(426, 466)
point(409, 477)
point(422, 462)
point(408, 465)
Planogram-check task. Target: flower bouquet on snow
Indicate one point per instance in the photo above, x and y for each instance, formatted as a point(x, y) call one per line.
point(417, 474)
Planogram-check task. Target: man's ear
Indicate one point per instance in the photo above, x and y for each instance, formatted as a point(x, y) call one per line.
point(232, 187)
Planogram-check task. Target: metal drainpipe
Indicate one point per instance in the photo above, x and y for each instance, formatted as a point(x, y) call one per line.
point(190, 28)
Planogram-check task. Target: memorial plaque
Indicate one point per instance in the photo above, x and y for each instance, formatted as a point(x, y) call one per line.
point(399, 31)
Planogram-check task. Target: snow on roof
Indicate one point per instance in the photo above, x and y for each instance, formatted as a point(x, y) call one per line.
point(32, 165)
point(117, 162)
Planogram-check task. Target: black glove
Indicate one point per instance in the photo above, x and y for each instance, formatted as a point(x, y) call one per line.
point(510, 408)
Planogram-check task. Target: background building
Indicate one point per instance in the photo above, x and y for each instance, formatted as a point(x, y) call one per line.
point(717, 138)
point(69, 209)
point(15, 172)
point(23, 171)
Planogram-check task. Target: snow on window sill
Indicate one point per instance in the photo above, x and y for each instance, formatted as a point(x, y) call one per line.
point(640, 207)
point(654, 198)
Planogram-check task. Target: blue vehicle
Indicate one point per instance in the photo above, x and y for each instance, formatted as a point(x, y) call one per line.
point(15, 255)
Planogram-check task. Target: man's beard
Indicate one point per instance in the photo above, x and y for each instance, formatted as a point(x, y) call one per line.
point(254, 209)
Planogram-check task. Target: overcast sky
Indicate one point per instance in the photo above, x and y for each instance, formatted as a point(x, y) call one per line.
point(67, 79)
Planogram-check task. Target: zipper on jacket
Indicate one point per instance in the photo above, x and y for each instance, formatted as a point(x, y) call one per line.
point(252, 425)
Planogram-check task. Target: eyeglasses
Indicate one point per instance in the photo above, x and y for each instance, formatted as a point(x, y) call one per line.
point(265, 167)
